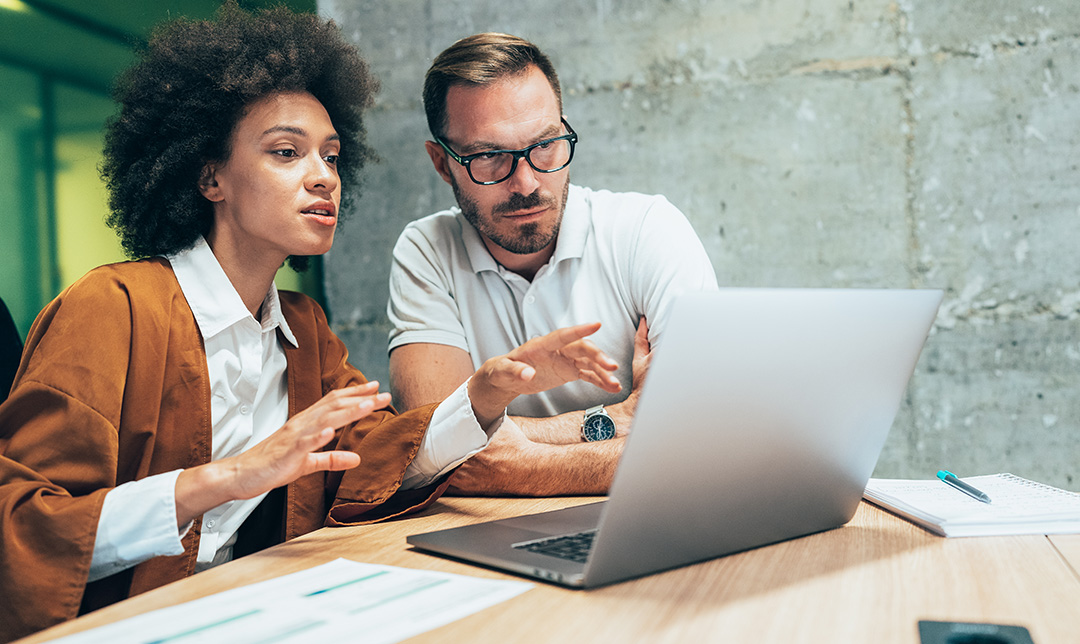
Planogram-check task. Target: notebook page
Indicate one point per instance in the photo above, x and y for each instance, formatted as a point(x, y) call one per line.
point(1013, 500)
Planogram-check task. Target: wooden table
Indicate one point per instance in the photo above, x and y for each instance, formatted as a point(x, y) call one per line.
point(1069, 547)
point(869, 581)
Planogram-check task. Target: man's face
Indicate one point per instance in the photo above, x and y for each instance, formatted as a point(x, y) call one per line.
point(520, 216)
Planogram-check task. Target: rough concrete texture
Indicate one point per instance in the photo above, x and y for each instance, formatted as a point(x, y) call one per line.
point(811, 143)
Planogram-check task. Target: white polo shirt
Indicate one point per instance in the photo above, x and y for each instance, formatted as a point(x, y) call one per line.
point(619, 256)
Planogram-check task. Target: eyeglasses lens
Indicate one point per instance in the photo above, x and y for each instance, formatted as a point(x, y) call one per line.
point(549, 157)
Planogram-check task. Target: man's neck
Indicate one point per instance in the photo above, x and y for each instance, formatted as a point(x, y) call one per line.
point(526, 266)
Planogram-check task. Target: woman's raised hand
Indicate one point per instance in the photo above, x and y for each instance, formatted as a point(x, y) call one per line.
point(283, 457)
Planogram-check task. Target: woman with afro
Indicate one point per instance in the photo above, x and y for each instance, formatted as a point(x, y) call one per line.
point(176, 411)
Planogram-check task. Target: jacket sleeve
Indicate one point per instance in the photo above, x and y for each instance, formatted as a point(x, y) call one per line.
point(58, 454)
point(385, 440)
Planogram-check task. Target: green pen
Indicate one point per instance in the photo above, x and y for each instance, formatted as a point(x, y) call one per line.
point(970, 490)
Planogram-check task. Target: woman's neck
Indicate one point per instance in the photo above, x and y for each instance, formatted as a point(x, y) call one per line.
point(250, 273)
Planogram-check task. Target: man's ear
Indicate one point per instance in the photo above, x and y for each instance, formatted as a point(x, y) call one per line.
point(440, 158)
point(208, 184)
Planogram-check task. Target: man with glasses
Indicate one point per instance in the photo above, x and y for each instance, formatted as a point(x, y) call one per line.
point(526, 252)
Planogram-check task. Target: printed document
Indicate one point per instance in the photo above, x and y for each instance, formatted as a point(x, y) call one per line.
point(342, 600)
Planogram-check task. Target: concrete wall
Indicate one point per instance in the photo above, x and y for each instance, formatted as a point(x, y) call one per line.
point(863, 143)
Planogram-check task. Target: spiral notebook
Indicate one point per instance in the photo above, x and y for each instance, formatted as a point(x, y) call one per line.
point(1018, 506)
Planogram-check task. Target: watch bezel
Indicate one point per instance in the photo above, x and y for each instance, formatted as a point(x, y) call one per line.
point(590, 434)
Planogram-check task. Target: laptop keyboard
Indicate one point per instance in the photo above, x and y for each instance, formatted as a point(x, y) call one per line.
point(574, 547)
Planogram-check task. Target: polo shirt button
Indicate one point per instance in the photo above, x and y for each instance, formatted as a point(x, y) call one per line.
point(530, 299)
point(244, 409)
point(210, 523)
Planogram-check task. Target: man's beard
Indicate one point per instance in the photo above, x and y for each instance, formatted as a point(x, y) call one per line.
point(526, 239)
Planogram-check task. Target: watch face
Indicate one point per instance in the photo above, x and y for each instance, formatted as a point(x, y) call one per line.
point(598, 427)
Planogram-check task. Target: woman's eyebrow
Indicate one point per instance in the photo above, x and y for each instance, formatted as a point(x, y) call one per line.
point(299, 131)
point(291, 129)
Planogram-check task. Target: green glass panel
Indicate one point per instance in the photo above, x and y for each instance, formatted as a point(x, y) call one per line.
point(24, 279)
point(83, 241)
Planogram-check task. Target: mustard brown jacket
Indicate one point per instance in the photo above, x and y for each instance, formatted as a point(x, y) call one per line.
point(113, 387)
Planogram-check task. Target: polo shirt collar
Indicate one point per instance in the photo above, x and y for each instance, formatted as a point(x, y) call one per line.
point(573, 233)
point(212, 298)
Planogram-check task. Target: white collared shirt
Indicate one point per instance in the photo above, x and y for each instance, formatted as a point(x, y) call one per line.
point(248, 402)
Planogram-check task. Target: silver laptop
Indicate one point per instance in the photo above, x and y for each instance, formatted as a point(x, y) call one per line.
point(762, 418)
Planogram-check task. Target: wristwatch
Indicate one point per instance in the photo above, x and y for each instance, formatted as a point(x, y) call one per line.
point(597, 425)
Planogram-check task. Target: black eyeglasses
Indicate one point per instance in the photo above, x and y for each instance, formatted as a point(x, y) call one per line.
point(496, 166)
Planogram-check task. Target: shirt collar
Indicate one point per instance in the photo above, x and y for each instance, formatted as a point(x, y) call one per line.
point(573, 233)
point(212, 298)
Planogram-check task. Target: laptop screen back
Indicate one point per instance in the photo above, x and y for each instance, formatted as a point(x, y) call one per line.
point(762, 417)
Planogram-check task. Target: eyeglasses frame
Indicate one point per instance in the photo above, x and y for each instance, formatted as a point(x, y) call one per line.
point(571, 136)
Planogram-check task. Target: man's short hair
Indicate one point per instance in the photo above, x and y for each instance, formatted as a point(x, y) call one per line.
point(480, 60)
point(193, 83)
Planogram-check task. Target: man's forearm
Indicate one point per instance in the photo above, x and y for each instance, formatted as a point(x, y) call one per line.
point(566, 428)
point(554, 430)
point(541, 470)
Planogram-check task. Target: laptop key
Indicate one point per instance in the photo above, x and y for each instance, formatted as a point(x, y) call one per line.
point(573, 547)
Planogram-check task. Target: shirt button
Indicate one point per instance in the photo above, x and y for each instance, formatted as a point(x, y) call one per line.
point(210, 523)
point(244, 409)
point(530, 299)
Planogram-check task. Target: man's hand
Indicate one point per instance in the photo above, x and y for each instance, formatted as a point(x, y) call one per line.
point(286, 455)
point(484, 473)
point(540, 364)
point(623, 412)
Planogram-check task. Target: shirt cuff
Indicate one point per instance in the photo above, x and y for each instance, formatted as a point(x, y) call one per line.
point(453, 436)
point(137, 523)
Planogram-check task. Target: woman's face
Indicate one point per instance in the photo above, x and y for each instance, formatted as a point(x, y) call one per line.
point(278, 192)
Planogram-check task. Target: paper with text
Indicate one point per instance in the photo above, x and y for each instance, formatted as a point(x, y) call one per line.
point(338, 601)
